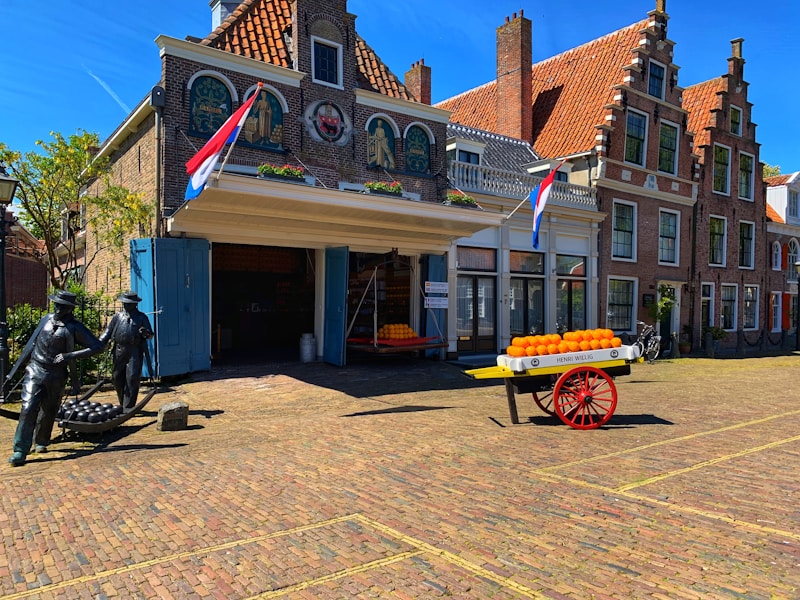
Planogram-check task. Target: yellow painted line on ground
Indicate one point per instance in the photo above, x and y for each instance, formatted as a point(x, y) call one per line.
point(706, 463)
point(670, 505)
point(176, 556)
point(375, 564)
point(692, 436)
point(451, 558)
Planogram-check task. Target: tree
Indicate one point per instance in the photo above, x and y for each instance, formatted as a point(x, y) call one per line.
point(54, 194)
point(770, 171)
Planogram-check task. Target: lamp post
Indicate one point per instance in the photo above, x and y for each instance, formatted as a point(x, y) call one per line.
point(797, 309)
point(8, 187)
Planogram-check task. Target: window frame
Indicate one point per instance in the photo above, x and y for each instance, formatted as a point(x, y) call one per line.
point(793, 204)
point(777, 256)
point(631, 328)
point(708, 299)
point(792, 256)
point(775, 307)
point(661, 148)
point(750, 179)
point(716, 165)
point(633, 233)
point(738, 130)
point(337, 47)
point(643, 140)
point(677, 238)
point(750, 307)
point(650, 79)
point(724, 244)
point(751, 251)
point(723, 303)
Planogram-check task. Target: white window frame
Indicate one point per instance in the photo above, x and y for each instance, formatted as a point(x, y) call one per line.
point(339, 85)
point(752, 177)
point(674, 170)
point(793, 204)
point(634, 233)
point(727, 191)
point(730, 121)
point(734, 323)
point(724, 241)
point(663, 79)
point(744, 305)
point(711, 298)
point(646, 118)
point(792, 256)
point(752, 249)
point(775, 301)
point(777, 256)
point(677, 214)
point(635, 305)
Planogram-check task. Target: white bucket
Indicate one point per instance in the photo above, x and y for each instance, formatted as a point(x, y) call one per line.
point(308, 348)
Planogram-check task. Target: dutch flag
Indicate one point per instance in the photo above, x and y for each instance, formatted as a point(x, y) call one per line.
point(538, 198)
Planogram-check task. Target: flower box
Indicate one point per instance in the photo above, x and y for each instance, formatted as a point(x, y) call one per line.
point(458, 198)
point(393, 188)
point(285, 172)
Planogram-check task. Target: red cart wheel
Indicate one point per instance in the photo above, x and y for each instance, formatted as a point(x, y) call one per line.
point(544, 400)
point(585, 398)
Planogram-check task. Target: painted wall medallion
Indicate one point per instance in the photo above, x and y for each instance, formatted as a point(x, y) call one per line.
point(326, 122)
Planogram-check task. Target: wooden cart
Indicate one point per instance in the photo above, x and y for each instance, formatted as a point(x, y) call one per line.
point(577, 387)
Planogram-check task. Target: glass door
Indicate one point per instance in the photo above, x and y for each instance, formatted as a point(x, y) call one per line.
point(476, 320)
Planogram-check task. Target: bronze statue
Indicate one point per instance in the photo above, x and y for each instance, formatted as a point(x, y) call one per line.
point(50, 353)
point(129, 329)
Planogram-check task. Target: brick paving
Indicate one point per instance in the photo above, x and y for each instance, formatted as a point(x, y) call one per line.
point(401, 478)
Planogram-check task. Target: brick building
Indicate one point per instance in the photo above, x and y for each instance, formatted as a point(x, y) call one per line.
point(26, 278)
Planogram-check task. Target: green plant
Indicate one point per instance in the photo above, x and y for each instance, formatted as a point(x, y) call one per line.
point(459, 197)
point(394, 187)
point(661, 310)
point(717, 333)
point(285, 170)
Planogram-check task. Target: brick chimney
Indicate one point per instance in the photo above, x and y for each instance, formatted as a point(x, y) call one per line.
point(514, 78)
point(418, 81)
point(736, 62)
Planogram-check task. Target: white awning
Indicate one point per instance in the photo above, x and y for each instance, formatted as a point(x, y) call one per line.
point(247, 210)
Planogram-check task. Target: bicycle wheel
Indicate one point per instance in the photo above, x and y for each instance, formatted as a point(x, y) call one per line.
point(639, 348)
point(653, 348)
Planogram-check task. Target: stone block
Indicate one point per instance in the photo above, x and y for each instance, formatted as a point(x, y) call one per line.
point(173, 416)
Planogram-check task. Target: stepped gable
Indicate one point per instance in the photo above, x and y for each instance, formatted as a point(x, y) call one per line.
point(699, 100)
point(570, 93)
point(255, 29)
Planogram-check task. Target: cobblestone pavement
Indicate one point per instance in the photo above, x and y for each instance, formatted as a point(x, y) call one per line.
point(402, 478)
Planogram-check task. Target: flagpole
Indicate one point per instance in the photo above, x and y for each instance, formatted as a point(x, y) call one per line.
point(233, 143)
point(524, 200)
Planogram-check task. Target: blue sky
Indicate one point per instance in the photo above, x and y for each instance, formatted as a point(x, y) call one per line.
point(84, 64)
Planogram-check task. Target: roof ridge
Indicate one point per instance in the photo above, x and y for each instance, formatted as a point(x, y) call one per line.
point(492, 134)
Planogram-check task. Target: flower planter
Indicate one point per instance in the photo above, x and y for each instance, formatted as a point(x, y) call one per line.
point(277, 177)
point(460, 204)
point(385, 193)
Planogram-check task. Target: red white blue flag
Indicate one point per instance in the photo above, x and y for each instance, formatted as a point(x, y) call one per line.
point(539, 198)
point(202, 164)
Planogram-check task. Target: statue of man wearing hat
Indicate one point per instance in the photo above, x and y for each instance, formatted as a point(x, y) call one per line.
point(129, 329)
point(50, 353)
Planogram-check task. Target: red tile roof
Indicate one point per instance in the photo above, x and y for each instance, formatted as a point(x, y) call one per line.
point(570, 92)
point(777, 180)
point(773, 216)
point(699, 100)
point(255, 29)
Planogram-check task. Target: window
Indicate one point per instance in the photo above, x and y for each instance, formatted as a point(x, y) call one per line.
point(526, 294)
point(327, 65)
point(477, 259)
point(728, 307)
point(775, 311)
point(792, 257)
point(668, 237)
point(722, 160)
point(793, 210)
point(776, 256)
point(655, 85)
point(635, 136)
point(620, 304)
point(668, 148)
point(472, 158)
point(707, 304)
point(750, 316)
point(746, 244)
point(746, 176)
point(571, 292)
point(716, 251)
point(561, 176)
point(736, 121)
point(623, 236)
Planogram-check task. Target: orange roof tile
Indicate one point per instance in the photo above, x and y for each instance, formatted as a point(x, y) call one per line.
point(773, 216)
point(255, 29)
point(777, 180)
point(699, 100)
point(570, 91)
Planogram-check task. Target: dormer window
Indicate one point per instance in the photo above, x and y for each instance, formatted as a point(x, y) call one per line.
point(655, 80)
point(327, 64)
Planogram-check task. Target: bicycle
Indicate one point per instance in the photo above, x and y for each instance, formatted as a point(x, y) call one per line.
point(648, 343)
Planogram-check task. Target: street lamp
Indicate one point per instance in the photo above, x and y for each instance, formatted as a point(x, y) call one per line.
point(8, 187)
point(797, 309)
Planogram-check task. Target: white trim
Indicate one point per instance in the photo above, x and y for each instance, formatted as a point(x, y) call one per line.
point(752, 244)
point(216, 75)
point(735, 323)
point(752, 178)
point(757, 326)
point(415, 110)
point(663, 79)
point(643, 164)
point(776, 266)
point(677, 214)
point(724, 241)
point(431, 137)
point(677, 146)
point(634, 304)
point(635, 232)
point(777, 324)
point(339, 85)
point(741, 118)
point(711, 299)
point(714, 164)
point(211, 57)
point(385, 117)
